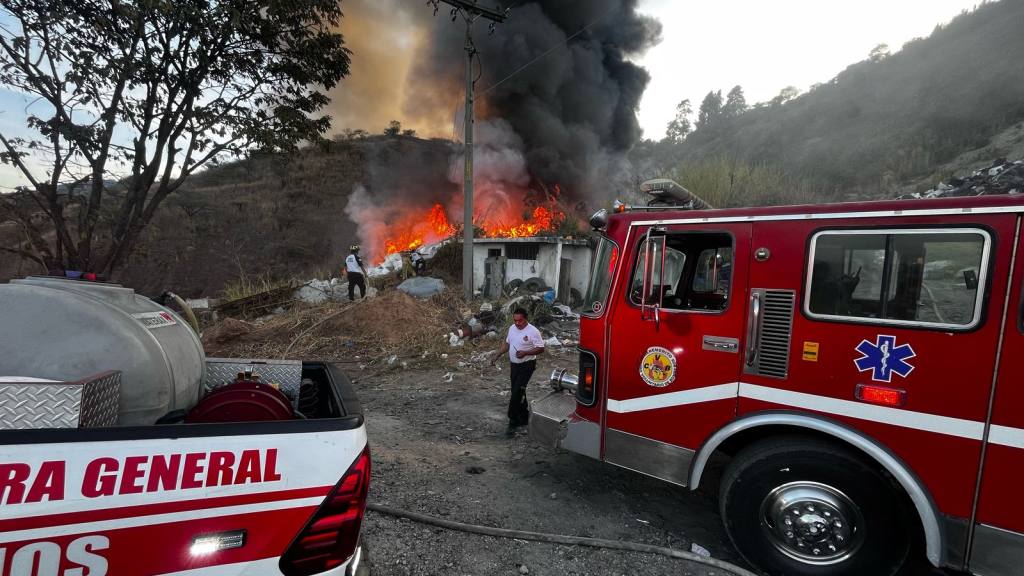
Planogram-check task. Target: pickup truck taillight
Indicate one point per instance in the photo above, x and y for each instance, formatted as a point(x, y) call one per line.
point(332, 534)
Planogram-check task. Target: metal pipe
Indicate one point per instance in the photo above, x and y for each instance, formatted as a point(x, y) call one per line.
point(561, 379)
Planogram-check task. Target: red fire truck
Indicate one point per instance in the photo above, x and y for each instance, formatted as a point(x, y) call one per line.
point(854, 366)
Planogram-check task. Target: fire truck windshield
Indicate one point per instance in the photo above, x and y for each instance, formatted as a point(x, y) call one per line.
point(605, 259)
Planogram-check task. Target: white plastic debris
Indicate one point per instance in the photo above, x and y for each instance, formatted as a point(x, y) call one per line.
point(699, 550)
point(448, 376)
point(552, 342)
point(486, 307)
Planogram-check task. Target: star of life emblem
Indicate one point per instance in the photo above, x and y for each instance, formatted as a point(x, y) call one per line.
point(884, 358)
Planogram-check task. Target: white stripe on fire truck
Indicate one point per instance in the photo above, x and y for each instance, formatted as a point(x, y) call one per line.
point(894, 416)
point(1006, 436)
point(961, 428)
point(136, 521)
point(694, 396)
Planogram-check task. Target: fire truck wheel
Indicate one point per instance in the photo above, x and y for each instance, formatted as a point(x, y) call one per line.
point(805, 507)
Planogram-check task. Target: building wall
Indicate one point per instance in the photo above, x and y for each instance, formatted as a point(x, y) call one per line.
point(545, 266)
point(580, 257)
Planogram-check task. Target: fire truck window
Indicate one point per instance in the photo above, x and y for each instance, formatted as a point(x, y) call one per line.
point(698, 270)
point(666, 281)
point(937, 277)
point(917, 277)
point(605, 260)
point(713, 270)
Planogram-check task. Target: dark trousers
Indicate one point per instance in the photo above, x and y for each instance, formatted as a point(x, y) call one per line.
point(518, 407)
point(356, 279)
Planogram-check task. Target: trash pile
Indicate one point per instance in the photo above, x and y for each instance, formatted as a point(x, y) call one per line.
point(557, 322)
point(1001, 177)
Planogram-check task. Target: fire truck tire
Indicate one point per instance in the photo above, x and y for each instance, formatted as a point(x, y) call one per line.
point(806, 507)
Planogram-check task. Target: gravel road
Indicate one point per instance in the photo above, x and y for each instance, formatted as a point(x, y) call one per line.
point(440, 448)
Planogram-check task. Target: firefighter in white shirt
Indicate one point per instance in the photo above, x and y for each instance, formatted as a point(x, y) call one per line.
point(523, 344)
point(356, 273)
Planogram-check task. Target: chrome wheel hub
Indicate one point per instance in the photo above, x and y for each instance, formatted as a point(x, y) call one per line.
point(812, 522)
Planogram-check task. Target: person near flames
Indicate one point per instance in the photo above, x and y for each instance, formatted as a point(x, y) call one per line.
point(356, 273)
point(523, 344)
point(419, 263)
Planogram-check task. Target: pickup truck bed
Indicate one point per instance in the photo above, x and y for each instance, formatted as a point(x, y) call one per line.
point(257, 498)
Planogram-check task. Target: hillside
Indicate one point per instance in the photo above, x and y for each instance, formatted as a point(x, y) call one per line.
point(882, 123)
point(262, 217)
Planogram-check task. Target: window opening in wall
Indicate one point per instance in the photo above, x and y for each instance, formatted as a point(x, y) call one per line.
point(522, 250)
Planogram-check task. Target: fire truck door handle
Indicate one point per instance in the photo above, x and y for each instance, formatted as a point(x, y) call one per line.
point(753, 333)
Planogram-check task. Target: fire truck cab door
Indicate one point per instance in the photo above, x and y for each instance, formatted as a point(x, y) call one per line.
point(675, 344)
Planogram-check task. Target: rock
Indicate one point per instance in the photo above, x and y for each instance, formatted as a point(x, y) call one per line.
point(475, 469)
point(487, 307)
point(699, 550)
point(422, 286)
point(523, 569)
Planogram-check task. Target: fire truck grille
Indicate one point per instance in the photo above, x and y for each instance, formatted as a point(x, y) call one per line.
point(776, 329)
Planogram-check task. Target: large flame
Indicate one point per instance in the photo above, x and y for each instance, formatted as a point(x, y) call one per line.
point(417, 228)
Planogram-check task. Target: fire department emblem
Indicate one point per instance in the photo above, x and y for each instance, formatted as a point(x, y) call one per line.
point(884, 357)
point(658, 367)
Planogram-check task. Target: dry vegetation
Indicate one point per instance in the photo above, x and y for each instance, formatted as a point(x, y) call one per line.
point(392, 323)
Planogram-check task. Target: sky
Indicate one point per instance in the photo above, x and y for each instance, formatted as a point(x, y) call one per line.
point(706, 45)
point(766, 46)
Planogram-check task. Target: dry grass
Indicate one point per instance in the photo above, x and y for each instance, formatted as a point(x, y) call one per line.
point(392, 323)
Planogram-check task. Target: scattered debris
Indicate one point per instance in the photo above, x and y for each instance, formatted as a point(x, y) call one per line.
point(320, 291)
point(523, 569)
point(448, 376)
point(422, 286)
point(475, 469)
point(1001, 177)
point(552, 342)
point(699, 550)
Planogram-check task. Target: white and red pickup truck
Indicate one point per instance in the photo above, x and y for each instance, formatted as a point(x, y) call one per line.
point(243, 478)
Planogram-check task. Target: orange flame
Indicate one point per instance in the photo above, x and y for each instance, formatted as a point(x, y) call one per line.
point(414, 230)
point(417, 229)
point(541, 220)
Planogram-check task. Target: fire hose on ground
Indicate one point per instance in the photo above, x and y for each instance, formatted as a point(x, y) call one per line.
point(560, 539)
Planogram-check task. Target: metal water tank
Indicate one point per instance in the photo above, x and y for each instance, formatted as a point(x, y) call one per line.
point(69, 329)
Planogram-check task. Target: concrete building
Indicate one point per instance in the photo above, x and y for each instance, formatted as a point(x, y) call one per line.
point(561, 263)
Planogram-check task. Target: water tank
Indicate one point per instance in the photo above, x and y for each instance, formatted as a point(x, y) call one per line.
point(69, 329)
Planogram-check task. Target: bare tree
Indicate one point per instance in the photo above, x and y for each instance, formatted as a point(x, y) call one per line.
point(133, 96)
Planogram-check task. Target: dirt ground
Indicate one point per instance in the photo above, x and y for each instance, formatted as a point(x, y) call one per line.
point(439, 448)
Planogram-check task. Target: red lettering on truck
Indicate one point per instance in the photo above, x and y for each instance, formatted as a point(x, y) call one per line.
point(47, 484)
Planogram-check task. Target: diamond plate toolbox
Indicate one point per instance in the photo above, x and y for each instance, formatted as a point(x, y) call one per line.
point(286, 374)
point(88, 403)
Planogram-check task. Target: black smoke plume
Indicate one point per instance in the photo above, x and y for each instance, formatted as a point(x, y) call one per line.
point(574, 108)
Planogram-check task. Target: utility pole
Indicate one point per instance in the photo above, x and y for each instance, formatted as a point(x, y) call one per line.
point(470, 11)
